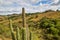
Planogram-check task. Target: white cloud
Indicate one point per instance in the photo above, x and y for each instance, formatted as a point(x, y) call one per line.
point(56, 1)
point(16, 5)
point(34, 1)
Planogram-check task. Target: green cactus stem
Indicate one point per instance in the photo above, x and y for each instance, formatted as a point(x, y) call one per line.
point(18, 34)
point(11, 29)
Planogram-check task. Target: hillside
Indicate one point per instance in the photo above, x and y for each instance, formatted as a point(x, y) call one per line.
point(38, 22)
point(33, 16)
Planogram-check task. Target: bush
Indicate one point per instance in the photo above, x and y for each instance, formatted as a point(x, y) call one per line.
point(47, 23)
point(53, 30)
point(51, 26)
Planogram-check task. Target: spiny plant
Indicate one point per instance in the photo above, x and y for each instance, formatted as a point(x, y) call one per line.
point(23, 17)
point(11, 29)
point(22, 34)
point(24, 24)
point(18, 34)
point(25, 34)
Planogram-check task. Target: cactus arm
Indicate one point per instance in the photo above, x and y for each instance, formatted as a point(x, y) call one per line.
point(18, 34)
point(11, 29)
point(23, 37)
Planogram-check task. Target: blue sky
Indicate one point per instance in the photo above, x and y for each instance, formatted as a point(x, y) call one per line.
point(15, 6)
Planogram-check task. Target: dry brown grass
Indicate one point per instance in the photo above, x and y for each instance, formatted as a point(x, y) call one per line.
point(47, 14)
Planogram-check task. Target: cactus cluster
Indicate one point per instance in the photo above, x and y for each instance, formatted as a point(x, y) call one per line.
point(22, 33)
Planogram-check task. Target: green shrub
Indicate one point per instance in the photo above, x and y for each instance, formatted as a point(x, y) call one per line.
point(46, 23)
point(54, 31)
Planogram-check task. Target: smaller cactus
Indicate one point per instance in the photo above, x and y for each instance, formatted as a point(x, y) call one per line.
point(18, 34)
point(11, 29)
point(33, 36)
point(24, 30)
point(27, 33)
point(30, 35)
point(23, 34)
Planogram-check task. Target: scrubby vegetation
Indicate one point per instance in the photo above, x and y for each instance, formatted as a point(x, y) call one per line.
point(51, 27)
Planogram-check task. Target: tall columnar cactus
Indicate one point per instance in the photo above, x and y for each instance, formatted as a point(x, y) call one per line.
point(23, 33)
point(24, 24)
point(23, 17)
point(11, 29)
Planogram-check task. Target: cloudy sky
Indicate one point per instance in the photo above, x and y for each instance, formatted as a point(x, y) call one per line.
point(15, 6)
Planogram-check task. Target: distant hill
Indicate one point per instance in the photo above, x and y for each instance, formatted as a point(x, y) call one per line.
point(29, 16)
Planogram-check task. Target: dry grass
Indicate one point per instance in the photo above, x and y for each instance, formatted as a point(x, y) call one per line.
point(47, 14)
